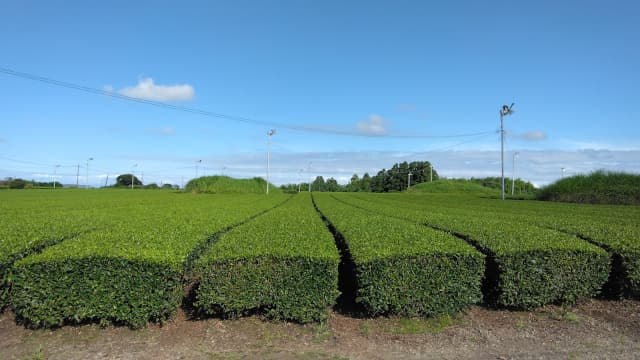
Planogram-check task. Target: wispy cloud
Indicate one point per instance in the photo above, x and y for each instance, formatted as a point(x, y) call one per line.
point(162, 131)
point(534, 135)
point(148, 90)
point(374, 125)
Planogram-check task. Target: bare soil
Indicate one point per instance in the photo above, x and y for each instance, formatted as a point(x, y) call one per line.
point(595, 329)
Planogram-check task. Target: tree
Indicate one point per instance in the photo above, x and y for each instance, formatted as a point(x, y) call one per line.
point(318, 184)
point(365, 183)
point(332, 185)
point(125, 180)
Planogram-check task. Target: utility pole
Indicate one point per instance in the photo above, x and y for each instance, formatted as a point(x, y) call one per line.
point(106, 182)
point(506, 110)
point(513, 180)
point(269, 135)
point(54, 176)
point(310, 177)
point(299, 178)
point(87, 179)
point(430, 172)
point(132, 175)
point(409, 179)
point(199, 161)
point(78, 177)
point(563, 170)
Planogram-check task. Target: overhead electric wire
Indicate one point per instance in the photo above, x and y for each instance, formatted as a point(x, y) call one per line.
point(207, 113)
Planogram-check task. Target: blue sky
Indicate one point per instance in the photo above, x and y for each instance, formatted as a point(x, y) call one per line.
point(382, 68)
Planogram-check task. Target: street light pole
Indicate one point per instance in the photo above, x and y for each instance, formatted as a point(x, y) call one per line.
point(54, 176)
point(506, 110)
point(269, 135)
point(513, 179)
point(87, 178)
point(311, 176)
point(132, 176)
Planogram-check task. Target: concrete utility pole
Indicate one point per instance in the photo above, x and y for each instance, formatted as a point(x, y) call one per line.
point(506, 110)
point(513, 180)
point(311, 177)
point(78, 176)
point(269, 135)
point(300, 178)
point(409, 179)
point(430, 172)
point(87, 179)
point(54, 176)
point(197, 162)
point(132, 175)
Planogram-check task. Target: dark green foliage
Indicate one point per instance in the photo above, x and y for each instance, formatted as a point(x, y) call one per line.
point(454, 186)
point(283, 264)
point(17, 183)
point(105, 290)
point(528, 266)
point(599, 187)
point(126, 179)
point(403, 268)
point(227, 185)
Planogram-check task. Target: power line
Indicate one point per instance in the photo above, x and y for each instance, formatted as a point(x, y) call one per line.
point(246, 120)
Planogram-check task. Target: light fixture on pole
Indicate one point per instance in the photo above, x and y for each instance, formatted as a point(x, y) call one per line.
point(54, 176)
point(513, 179)
point(506, 110)
point(269, 135)
point(87, 179)
point(132, 175)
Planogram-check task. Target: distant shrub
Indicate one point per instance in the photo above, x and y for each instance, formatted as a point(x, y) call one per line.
point(600, 187)
point(227, 185)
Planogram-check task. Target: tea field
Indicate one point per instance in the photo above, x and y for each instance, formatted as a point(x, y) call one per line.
point(132, 257)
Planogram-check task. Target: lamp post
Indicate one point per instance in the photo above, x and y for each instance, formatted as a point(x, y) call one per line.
point(311, 177)
point(506, 110)
point(87, 178)
point(513, 180)
point(132, 175)
point(300, 178)
point(54, 176)
point(269, 135)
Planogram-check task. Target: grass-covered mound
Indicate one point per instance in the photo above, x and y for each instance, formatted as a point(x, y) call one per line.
point(453, 186)
point(600, 187)
point(227, 185)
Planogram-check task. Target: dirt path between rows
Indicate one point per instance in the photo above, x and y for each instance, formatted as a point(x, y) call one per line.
point(592, 330)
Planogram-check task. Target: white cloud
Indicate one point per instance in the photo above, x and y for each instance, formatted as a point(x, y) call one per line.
point(375, 125)
point(107, 88)
point(148, 90)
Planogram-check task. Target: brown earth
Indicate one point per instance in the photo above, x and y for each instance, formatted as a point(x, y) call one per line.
point(595, 329)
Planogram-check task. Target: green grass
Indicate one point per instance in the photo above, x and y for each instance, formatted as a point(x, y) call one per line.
point(599, 187)
point(227, 185)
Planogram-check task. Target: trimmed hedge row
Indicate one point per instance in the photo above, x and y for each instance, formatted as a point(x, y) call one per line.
point(131, 273)
point(403, 268)
point(528, 266)
point(614, 228)
point(283, 263)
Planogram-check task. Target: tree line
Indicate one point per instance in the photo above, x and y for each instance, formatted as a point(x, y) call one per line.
point(397, 178)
